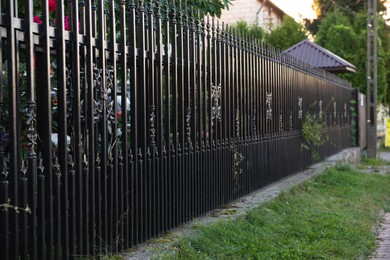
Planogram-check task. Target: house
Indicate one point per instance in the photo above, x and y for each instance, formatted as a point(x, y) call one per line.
point(319, 57)
point(264, 13)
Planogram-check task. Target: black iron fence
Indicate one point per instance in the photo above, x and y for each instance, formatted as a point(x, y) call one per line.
point(123, 119)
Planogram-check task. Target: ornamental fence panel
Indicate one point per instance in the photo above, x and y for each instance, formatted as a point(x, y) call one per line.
point(120, 120)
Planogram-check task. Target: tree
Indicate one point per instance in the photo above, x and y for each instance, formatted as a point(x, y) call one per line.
point(348, 40)
point(253, 30)
point(288, 34)
point(212, 7)
point(349, 8)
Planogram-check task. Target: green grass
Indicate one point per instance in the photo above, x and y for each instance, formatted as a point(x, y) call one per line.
point(368, 161)
point(329, 217)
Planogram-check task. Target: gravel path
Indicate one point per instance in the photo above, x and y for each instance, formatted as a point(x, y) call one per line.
point(383, 252)
point(152, 247)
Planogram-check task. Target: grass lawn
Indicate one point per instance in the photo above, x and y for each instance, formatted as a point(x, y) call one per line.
point(329, 217)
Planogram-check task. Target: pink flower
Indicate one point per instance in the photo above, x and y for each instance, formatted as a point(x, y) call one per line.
point(66, 23)
point(37, 19)
point(52, 5)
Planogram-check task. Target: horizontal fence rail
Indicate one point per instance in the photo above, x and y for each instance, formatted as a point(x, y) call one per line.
point(120, 120)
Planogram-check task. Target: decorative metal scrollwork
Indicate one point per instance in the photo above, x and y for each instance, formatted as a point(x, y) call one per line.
point(69, 93)
point(254, 127)
point(32, 134)
point(268, 103)
point(4, 172)
point(188, 124)
point(40, 167)
point(320, 107)
point(97, 82)
point(216, 107)
point(291, 121)
point(2, 131)
point(300, 105)
point(23, 169)
point(345, 110)
point(281, 122)
point(56, 167)
point(107, 89)
point(82, 102)
point(237, 123)
point(152, 121)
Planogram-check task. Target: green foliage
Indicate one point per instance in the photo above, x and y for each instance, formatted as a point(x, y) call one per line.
point(212, 7)
point(354, 124)
point(286, 35)
point(314, 132)
point(203, 7)
point(349, 9)
point(369, 161)
point(334, 20)
point(329, 217)
point(252, 30)
point(282, 37)
point(348, 40)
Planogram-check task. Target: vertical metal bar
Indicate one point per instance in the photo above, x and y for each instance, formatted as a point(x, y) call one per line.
point(208, 116)
point(175, 129)
point(42, 254)
point(148, 194)
point(4, 217)
point(187, 111)
point(151, 97)
point(160, 194)
point(31, 167)
point(133, 113)
point(142, 106)
point(132, 211)
point(168, 114)
point(203, 84)
point(72, 210)
point(113, 152)
point(24, 215)
point(124, 118)
point(90, 124)
point(122, 216)
point(44, 128)
point(181, 112)
point(13, 124)
point(199, 105)
point(140, 202)
point(76, 120)
point(103, 122)
point(192, 110)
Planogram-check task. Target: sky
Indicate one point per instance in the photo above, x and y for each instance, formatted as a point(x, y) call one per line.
point(297, 9)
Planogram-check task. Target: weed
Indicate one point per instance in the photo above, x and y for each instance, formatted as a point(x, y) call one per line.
point(314, 131)
point(373, 161)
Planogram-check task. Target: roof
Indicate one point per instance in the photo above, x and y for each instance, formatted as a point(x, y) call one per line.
point(319, 57)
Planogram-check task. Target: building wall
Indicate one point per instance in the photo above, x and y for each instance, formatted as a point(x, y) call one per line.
point(246, 10)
